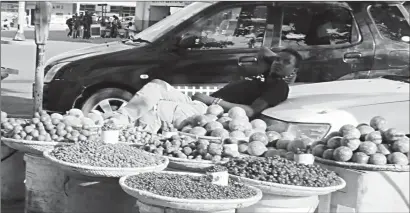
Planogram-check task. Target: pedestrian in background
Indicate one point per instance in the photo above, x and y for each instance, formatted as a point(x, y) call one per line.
point(77, 22)
point(70, 24)
point(81, 27)
point(88, 20)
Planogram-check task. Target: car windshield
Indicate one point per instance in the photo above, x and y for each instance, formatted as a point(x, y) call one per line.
point(160, 28)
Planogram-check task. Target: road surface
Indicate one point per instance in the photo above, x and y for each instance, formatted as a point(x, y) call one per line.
point(16, 90)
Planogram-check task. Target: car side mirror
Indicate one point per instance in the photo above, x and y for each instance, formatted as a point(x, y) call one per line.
point(188, 41)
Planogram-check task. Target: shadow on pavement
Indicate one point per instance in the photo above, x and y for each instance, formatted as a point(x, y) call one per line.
point(17, 106)
point(12, 207)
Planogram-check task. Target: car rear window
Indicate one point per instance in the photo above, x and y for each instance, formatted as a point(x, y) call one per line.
point(390, 22)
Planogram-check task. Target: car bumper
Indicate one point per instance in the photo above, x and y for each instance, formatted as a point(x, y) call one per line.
point(59, 96)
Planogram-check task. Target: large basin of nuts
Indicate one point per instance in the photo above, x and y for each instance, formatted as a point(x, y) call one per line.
point(188, 191)
point(104, 160)
point(280, 176)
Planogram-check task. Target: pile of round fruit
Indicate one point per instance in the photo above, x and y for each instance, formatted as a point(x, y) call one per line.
point(216, 123)
point(365, 144)
point(71, 127)
point(136, 135)
point(97, 154)
point(188, 186)
point(189, 148)
point(282, 171)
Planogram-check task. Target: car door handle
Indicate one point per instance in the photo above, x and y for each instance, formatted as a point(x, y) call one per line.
point(247, 59)
point(352, 55)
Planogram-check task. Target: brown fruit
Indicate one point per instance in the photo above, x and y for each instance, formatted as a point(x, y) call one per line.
point(384, 149)
point(364, 130)
point(331, 135)
point(237, 134)
point(211, 117)
point(360, 157)
point(259, 136)
point(401, 145)
point(199, 131)
point(200, 120)
point(397, 158)
point(256, 148)
point(367, 147)
point(318, 150)
point(211, 126)
point(353, 144)
point(393, 134)
point(378, 159)
point(334, 142)
point(259, 124)
point(235, 112)
point(225, 121)
point(243, 148)
point(342, 154)
point(346, 128)
point(378, 123)
point(237, 124)
point(220, 132)
point(328, 154)
point(215, 109)
point(375, 137)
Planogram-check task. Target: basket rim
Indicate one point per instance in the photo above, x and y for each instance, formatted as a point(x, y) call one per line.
point(358, 166)
point(39, 143)
point(178, 160)
point(258, 196)
point(47, 155)
point(292, 187)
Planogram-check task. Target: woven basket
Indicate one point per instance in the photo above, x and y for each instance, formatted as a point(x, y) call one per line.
point(290, 190)
point(32, 147)
point(191, 165)
point(367, 167)
point(219, 139)
point(198, 205)
point(94, 171)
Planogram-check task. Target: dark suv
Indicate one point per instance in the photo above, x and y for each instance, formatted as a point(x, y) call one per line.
point(195, 52)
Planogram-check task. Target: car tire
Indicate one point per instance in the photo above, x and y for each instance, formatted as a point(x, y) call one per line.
point(115, 95)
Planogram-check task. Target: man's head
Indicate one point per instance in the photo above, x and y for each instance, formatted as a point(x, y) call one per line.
point(283, 63)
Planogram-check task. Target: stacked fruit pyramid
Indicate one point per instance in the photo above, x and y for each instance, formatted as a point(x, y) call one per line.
point(71, 127)
point(365, 144)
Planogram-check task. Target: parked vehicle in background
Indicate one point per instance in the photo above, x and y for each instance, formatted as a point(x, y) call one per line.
point(191, 50)
point(315, 112)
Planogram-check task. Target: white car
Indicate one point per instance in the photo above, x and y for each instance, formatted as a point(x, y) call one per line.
point(317, 109)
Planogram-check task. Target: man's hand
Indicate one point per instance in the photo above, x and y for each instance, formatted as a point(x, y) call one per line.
point(206, 99)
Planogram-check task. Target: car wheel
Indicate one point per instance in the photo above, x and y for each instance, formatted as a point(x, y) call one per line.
point(107, 100)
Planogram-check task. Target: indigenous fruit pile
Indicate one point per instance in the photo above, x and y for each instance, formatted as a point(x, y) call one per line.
point(282, 171)
point(94, 153)
point(189, 148)
point(136, 135)
point(188, 186)
point(216, 123)
point(365, 144)
point(286, 144)
point(71, 127)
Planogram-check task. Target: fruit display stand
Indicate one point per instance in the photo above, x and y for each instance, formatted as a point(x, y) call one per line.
point(287, 198)
point(12, 175)
point(370, 188)
point(149, 202)
point(90, 189)
point(43, 181)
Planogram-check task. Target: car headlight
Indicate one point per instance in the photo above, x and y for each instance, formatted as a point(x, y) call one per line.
point(314, 131)
point(53, 71)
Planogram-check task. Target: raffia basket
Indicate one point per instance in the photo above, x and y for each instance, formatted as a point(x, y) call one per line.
point(367, 167)
point(199, 205)
point(94, 171)
point(289, 190)
point(32, 147)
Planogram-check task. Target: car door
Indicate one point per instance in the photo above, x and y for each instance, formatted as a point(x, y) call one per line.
point(332, 40)
point(390, 26)
point(213, 61)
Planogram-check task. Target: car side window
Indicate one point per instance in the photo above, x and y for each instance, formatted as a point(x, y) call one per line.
point(390, 22)
point(234, 28)
point(311, 26)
